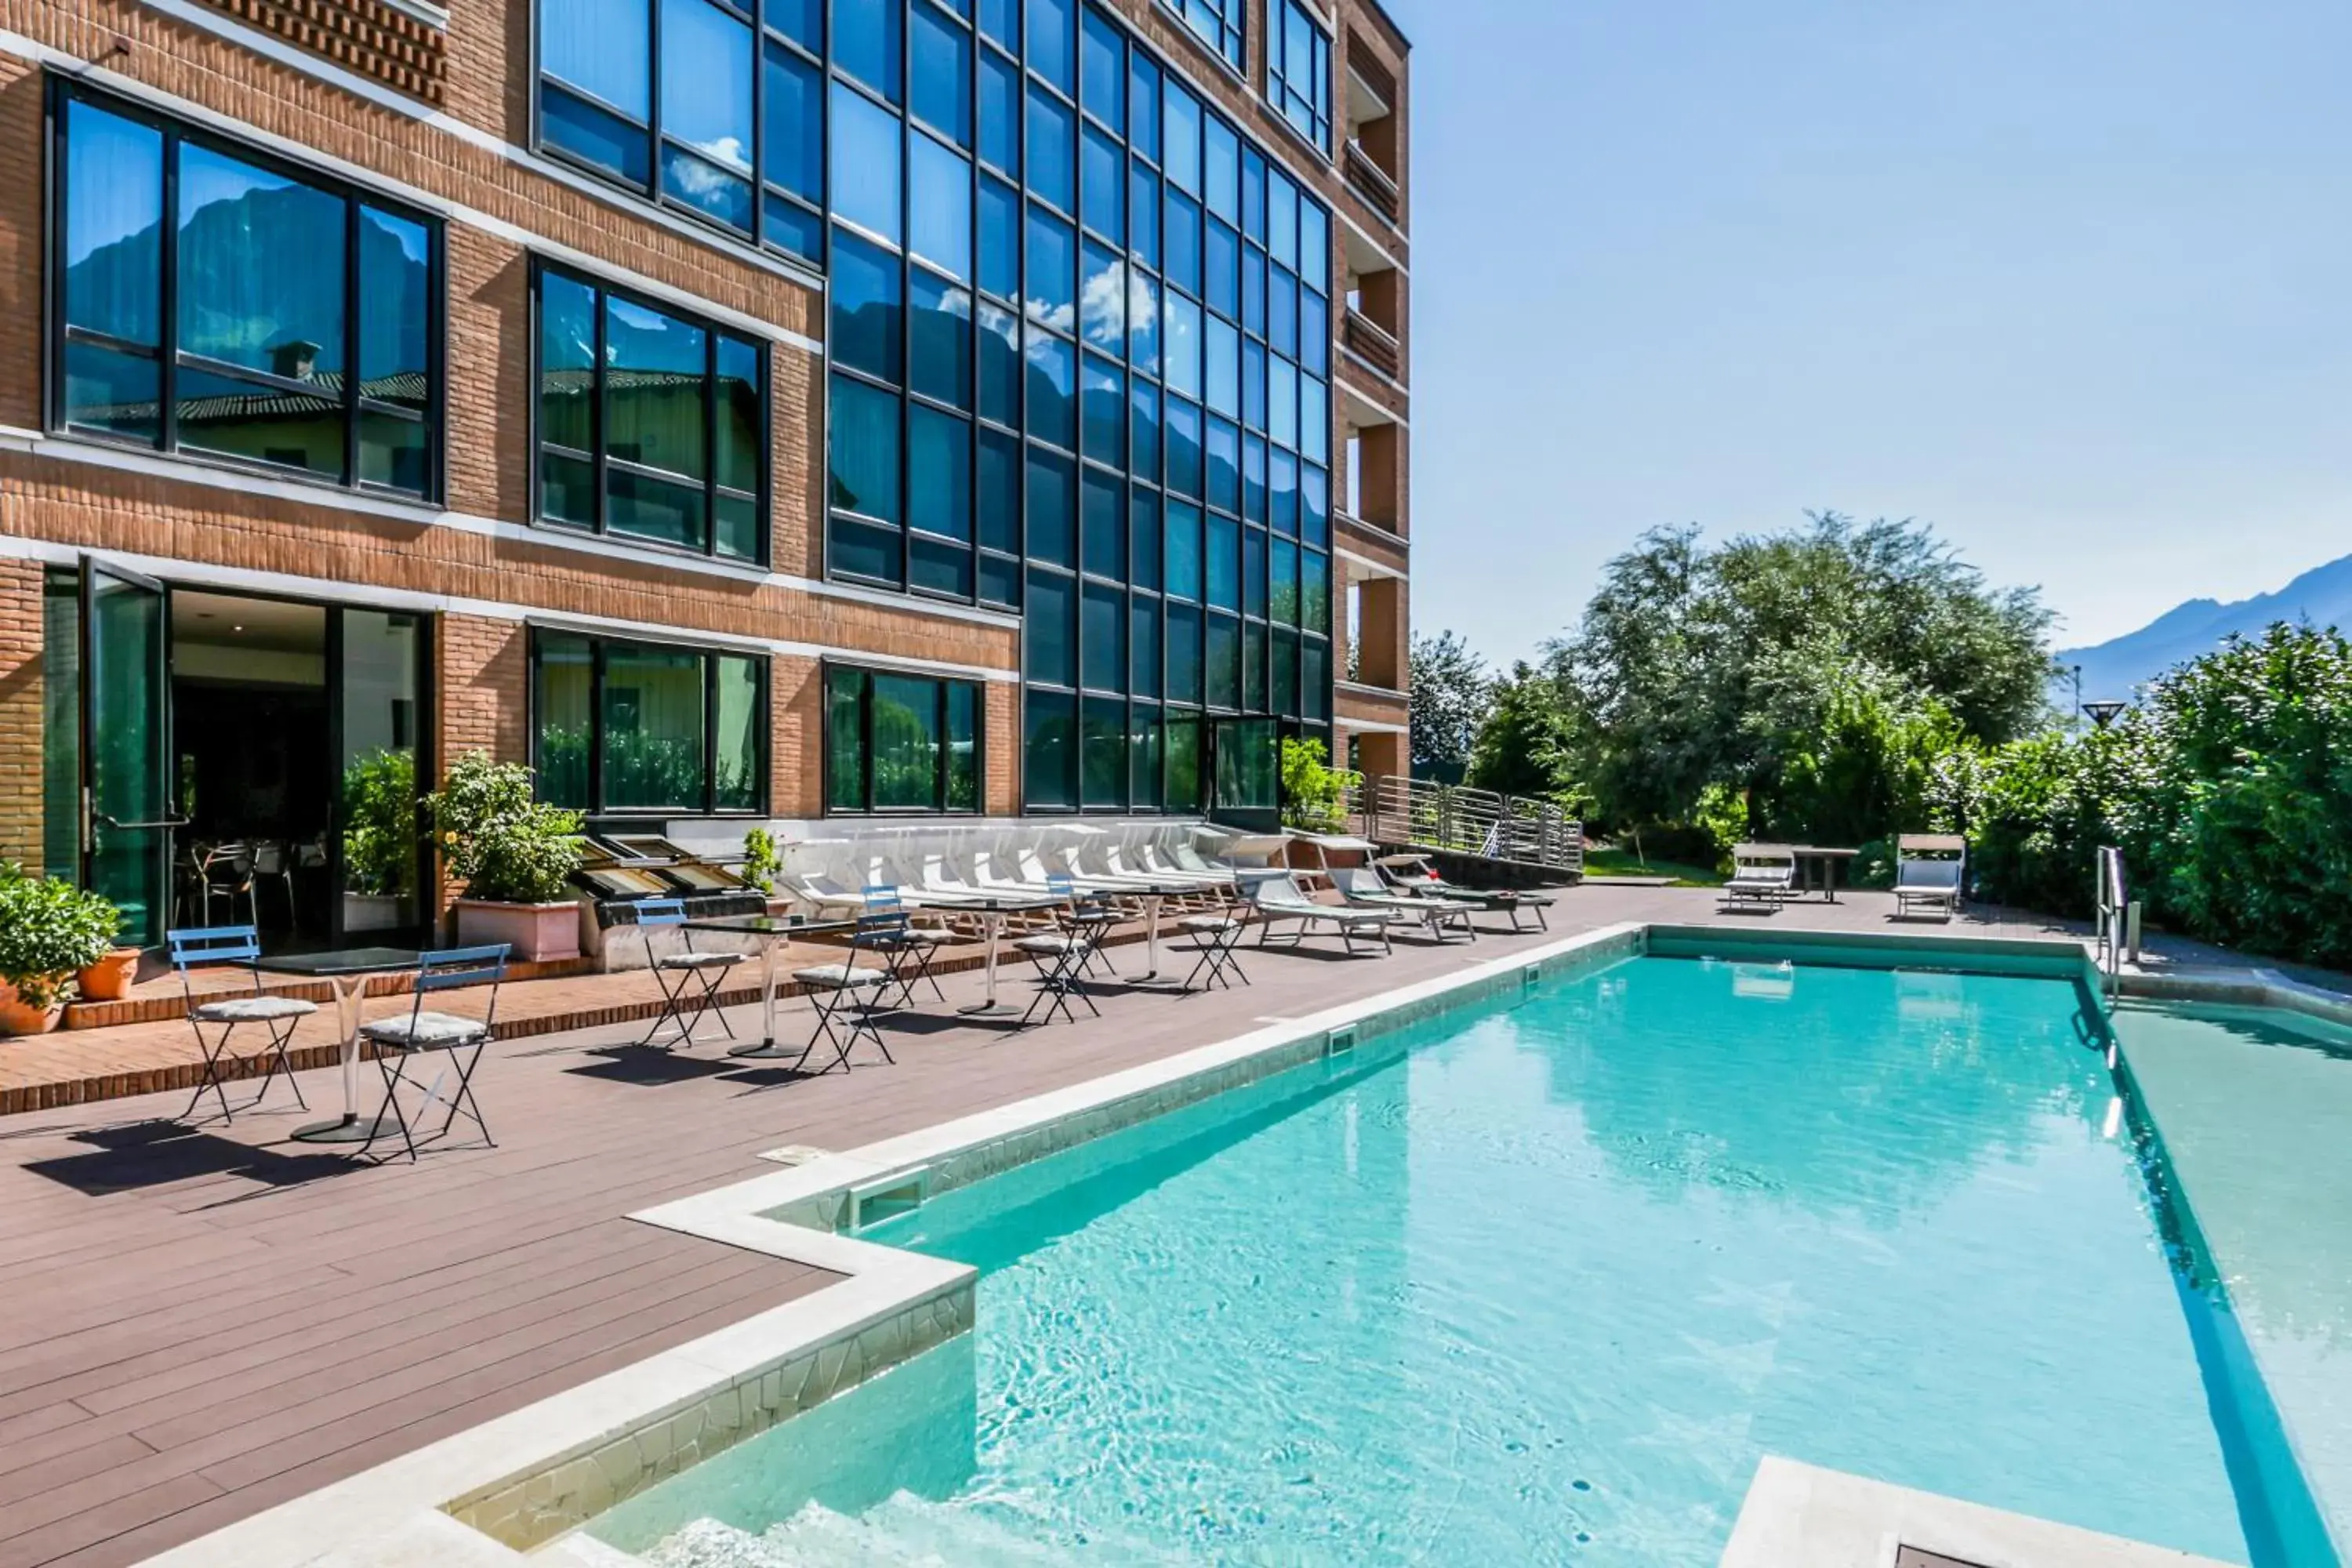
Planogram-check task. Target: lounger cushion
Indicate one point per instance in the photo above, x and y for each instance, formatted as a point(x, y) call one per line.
point(839, 977)
point(699, 960)
point(424, 1031)
point(251, 1009)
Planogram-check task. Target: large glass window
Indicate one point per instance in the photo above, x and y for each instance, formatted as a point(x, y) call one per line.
point(900, 742)
point(709, 105)
point(652, 426)
point(631, 727)
point(293, 322)
point(1298, 70)
point(1219, 23)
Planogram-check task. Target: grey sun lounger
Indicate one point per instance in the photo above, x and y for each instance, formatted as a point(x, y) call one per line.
point(1411, 876)
point(1763, 877)
point(1362, 887)
point(1929, 886)
point(1280, 901)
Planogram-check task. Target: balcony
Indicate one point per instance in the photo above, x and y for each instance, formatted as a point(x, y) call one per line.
point(1370, 181)
point(1373, 343)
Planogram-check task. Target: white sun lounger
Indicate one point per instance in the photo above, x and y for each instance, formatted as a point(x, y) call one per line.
point(1931, 885)
point(1764, 876)
point(1280, 901)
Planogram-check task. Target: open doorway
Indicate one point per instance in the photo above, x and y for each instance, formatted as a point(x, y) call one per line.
point(228, 759)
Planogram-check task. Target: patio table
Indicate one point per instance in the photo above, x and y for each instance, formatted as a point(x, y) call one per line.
point(775, 934)
point(346, 972)
point(1818, 868)
point(990, 912)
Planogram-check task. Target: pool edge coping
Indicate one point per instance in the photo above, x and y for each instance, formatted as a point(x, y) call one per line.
point(734, 1382)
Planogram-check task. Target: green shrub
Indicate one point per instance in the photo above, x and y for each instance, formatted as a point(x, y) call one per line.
point(380, 831)
point(1314, 794)
point(506, 847)
point(49, 930)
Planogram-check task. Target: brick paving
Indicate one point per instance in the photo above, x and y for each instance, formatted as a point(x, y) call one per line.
point(196, 1323)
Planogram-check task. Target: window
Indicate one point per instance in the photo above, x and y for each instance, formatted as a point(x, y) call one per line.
point(652, 426)
point(623, 727)
point(1219, 24)
point(293, 323)
point(661, 96)
point(900, 742)
point(1298, 70)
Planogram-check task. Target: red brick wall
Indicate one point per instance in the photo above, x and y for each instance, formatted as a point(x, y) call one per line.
point(20, 713)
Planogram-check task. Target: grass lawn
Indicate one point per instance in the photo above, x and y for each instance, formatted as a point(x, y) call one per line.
point(1614, 861)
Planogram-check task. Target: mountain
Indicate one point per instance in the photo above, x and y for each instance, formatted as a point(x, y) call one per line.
point(2322, 596)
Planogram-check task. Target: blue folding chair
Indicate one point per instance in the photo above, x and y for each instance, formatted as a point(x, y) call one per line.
point(676, 971)
point(905, 946)
point(1091, 909)
point(208, 946)
point(397, 1040)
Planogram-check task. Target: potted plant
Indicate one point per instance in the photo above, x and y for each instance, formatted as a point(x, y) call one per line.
point(49, 931)
point(380, 838)
point(762, 865)
point(516, 856)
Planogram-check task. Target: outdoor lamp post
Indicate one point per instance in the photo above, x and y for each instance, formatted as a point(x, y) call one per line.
point(2103, 714)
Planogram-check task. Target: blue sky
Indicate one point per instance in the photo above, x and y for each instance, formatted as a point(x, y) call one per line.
point(2070, 279)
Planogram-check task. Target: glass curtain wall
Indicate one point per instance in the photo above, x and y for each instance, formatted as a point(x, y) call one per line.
point(1298, 70)
point(641, 728)
point(1081, 346)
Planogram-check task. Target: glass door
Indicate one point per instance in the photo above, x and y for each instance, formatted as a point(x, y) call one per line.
point(376, 857)
point(126, 793)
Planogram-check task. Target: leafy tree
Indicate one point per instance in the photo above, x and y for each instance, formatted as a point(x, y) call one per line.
point(1451, 690)
point(1523, 746)
point(1831, 662)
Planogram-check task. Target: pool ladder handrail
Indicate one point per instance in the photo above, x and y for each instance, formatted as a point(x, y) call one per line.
point(2118, 919)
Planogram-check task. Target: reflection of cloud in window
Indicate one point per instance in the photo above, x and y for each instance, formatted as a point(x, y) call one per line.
point(1061, 318)
point(1099, 306)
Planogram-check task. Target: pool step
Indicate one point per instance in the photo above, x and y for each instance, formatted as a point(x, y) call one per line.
point(906, 1531)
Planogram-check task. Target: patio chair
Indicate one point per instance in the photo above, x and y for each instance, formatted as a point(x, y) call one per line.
point(277, 1015)
point(690, 980)
point(1216, 937)
point(907, 947)
point(1279, 900)
point(275, 862)
point(1092, 907)
point(1361, 887)
point(1062, 957)
point(1763, 877)
point(226, 872)
point(399, 1039)
point(842, 989)
point(1932, 886)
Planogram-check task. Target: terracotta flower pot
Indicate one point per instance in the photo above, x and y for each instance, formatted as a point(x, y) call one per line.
point(18, 1017)
point(109, 980)
point(535, 932)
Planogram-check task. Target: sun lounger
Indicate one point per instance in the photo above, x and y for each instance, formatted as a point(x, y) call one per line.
point(1362, 887)
point(1280, 901)
point(1930, 873)
point(1764, 877)
point(1414, 876)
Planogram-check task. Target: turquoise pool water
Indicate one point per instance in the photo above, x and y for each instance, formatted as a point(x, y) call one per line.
point(1536, 1282)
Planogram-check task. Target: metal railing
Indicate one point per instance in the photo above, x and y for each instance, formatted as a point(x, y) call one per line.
point(2118, 920)
point(1456, 818)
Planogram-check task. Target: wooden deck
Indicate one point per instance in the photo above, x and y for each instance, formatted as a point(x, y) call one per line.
point(197, 1324)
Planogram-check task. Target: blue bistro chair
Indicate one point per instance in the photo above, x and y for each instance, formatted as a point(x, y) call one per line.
point(684, 1003)
point(399, 1038)
point(240, 946)
point(907, 947)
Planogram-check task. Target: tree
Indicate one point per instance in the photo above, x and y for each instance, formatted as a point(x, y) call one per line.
point(1451, 691)
point(1746, 666)
point(1523, 745)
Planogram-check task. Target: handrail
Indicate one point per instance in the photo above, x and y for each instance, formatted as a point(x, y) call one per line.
point(2114, 899)
point(1427, 815)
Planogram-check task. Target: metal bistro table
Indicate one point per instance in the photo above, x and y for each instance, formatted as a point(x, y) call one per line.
point(347, 972)
point(776, 935)
point(1153, 895)
point(1818, 868)
point(990, 912)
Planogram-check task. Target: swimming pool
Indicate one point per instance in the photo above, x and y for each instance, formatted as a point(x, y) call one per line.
point(1538, 1280)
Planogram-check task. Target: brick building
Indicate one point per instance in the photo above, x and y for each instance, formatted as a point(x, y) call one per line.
point(751, 412)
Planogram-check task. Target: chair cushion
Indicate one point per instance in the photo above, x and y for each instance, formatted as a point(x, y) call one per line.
point(839, 977)
point(424, 1031)
point(698, 959)
point(1214, 923)
point(929, 936)
point(252, 1009)
point(1055, 943)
